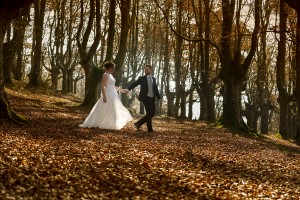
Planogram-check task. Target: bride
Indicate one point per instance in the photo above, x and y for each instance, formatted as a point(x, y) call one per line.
point(108, 112)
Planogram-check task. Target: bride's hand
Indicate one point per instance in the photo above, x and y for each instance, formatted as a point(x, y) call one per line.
point(104, 99)
point(122, 90)
point(119, 89)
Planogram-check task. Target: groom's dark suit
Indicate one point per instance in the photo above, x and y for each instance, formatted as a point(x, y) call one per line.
point(149, 102)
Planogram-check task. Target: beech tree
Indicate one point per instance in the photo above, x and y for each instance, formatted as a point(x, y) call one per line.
point(262, 82)
point(295, 4)
point(20, 24)
point(233, 67)
point(259, 84)
point(9, 10)
point(284, 97)
point(125, 8)
point(111, 30)
point(39, 13)
point(63, 55)
point(92, 72)
point(14, 46)
point(170, 95)
point(205, 86)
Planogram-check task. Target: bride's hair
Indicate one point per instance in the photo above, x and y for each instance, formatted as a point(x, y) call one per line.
point(108, 64)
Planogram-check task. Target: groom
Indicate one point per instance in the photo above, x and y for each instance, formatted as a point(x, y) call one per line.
point(147, 95)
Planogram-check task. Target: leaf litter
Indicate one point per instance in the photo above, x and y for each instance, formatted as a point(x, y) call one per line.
point(53, 158)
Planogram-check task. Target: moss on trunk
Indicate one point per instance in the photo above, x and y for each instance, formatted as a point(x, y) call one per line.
point(235, 125)
point(8, 113)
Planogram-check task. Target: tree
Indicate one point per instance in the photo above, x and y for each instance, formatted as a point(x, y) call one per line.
point(53, 47)
point(296, 6)
point(233, 70)
point(259, 85)
point(170, 95)
point(92, 72)
point(262, 81)
point(9, 53)
point(200, 73)
point(111, 30)
point(39, 13)
point(133, 57)
point(9, 10)
point(19, 25)
point(125, 25)
point(284, 97)
point(63, 55)
point(179, 86)
point(206, 84)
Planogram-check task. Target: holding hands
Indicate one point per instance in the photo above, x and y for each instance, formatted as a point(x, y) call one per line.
point(125, 91)
point(119, 89)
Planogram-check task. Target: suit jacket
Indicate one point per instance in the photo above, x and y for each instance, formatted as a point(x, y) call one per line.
point(142, 81)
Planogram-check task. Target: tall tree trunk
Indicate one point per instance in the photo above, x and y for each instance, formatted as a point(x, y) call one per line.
point(39, 12)
point(93, 73)
point(283, 98)
point(191, 102)
point(66, 58)
point(132, 53)
point(192, 64)
point(201, 65)
point(20, 23)
point(111, 30)
point(232, 88)
point(262, 81)
point(8, 57)
point(233, 72)
point(183, 101)
point(53, 51)
point(207, 85)
point(125, 25)
point(298, 73)
point(9, 10)
point(59, 35)
point(178, 54)
point(295, 4)
point(166, 72)
point(5, 109)
point(4, 23)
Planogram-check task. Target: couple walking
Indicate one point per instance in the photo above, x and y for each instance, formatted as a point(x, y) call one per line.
point(109, 112)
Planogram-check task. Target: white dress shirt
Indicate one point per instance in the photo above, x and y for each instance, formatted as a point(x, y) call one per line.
point(150, 86)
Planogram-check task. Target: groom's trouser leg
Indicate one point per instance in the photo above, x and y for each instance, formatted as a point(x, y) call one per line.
point(149, 104)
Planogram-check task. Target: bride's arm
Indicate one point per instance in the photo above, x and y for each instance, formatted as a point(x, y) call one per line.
point(103, 86)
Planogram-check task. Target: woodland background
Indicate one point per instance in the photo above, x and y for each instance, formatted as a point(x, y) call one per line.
point(239, 59)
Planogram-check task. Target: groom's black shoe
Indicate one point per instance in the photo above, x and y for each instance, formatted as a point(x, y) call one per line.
point(137, 126)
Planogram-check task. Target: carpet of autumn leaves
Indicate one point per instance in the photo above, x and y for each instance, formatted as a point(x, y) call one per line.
point(53, 158)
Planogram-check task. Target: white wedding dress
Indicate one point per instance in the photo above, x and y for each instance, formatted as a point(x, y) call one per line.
point(109, 115)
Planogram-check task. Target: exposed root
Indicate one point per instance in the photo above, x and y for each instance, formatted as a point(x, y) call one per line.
point(7, 112)
point(235, 125)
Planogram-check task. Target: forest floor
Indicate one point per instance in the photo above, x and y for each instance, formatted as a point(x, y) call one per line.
point(53, 158)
